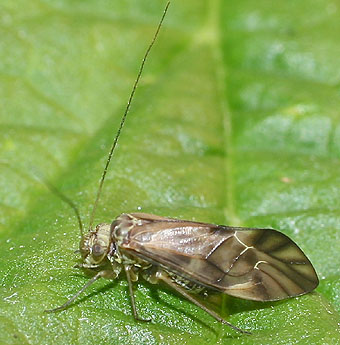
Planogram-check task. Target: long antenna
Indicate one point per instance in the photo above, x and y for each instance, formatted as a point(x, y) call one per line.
point(69, 202)
point(125, 115)
point(64, 198)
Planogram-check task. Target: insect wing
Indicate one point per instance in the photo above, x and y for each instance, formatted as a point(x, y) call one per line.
point(255, 264)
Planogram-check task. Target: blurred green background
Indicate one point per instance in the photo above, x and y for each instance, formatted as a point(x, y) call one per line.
point(236, 121)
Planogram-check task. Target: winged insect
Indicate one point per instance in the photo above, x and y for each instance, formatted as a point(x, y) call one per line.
point(249, 263)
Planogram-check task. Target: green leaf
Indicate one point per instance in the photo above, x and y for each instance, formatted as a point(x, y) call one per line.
point(236, 121)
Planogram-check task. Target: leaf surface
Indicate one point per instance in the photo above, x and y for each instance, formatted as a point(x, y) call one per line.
point(236, 121)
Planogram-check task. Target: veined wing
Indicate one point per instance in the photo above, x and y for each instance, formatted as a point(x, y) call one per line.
point(255, 264)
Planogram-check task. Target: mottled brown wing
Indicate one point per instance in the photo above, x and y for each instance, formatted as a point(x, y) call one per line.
point(255, 264)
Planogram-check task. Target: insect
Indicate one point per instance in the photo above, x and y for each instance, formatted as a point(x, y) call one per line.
point(249, 263)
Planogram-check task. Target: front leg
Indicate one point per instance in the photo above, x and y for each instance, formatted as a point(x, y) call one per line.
point(101, 274)
point(127, 269)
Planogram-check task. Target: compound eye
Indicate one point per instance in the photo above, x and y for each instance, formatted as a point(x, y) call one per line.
point(97, 250)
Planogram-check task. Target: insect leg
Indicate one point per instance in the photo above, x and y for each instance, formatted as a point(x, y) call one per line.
point(127, 269)
point(90, 282)
point(184, 293)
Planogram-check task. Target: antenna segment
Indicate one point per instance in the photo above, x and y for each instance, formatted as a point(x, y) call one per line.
point(64, 198)
point(70, 203)
point(125, 115)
